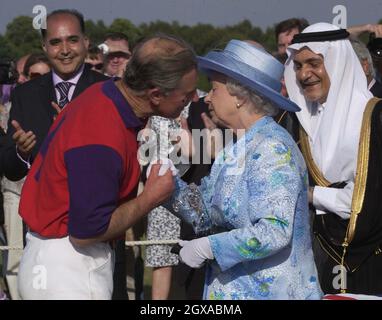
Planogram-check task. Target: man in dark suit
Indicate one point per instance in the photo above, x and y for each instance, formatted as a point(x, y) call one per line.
point(34, 103)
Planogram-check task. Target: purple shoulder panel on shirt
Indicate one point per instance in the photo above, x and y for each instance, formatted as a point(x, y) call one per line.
point(128, 116)
point(94, 177)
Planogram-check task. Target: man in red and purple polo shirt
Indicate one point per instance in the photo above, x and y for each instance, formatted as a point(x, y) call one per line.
point(81, 190)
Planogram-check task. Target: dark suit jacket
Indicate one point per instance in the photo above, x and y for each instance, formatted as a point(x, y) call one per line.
point(31, 107)
point(376, 89)
point(193, 279)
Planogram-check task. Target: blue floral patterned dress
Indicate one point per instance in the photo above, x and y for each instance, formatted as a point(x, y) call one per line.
point(254, 209)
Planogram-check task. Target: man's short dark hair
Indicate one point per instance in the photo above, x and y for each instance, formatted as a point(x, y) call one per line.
point(93, 52)
point(78, 15)
point(289, 24)
point(116, 36)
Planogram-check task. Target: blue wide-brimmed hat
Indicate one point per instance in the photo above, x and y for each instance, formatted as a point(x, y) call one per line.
point(252, 67)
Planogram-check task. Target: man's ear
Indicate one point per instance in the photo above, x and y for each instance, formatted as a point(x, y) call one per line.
point(155, 96)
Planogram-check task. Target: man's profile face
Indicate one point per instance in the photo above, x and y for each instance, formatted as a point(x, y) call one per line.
point(65, 45)
point(312, 75)
point(174, 102)
point(284, 39)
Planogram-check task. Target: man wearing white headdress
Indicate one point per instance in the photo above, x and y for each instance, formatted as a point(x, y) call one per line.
point(340, 135)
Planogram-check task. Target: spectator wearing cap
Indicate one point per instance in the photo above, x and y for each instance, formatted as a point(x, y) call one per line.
point(117, 54)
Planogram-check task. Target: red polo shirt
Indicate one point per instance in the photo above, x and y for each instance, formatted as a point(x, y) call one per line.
point(86, 167)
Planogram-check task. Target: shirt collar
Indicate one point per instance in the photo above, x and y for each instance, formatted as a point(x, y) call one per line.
point(74, 80)
point(372, 82)
point(127, 114)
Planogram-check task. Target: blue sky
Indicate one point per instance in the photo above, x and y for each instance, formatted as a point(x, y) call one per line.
point(262, 13)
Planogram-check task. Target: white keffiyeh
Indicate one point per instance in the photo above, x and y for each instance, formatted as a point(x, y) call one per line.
point(334, 132)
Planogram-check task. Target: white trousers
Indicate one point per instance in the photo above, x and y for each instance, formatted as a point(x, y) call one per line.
point(54, 269)
point(13, 226)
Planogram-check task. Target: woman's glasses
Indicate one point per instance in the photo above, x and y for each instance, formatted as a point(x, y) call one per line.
point(118, 54)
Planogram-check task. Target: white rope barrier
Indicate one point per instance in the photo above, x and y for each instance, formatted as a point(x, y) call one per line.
point(127, 244)
point(150, 242)
point(6, 248)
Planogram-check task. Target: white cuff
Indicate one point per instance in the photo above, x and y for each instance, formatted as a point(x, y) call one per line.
point(27, 162)
point(325, 200)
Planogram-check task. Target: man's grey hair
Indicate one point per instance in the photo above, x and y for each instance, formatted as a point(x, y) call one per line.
point(159, 61)
point(362, 53)
point(261, 104)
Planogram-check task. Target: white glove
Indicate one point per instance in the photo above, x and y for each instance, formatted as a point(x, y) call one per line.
point(195, 252)
point(165, 165)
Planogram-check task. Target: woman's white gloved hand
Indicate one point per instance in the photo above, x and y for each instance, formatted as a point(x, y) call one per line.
point(195, 252)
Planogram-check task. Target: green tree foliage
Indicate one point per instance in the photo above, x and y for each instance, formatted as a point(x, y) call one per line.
point(159, 26)
point(127, 27)
point(21, 37)
point(95, 31)
point(203, 37)
point(5, 49)
point(268, 40)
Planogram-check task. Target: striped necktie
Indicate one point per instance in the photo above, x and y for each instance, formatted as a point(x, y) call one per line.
point(63, 90)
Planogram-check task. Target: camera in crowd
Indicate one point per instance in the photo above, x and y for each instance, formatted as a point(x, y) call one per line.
point(8, 72)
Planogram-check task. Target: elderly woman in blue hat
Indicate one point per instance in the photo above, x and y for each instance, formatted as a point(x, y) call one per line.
point(251, 212)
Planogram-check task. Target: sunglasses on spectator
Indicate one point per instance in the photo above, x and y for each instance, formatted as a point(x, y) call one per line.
point(98, 66)
point(118, 54)
point(34, 75)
